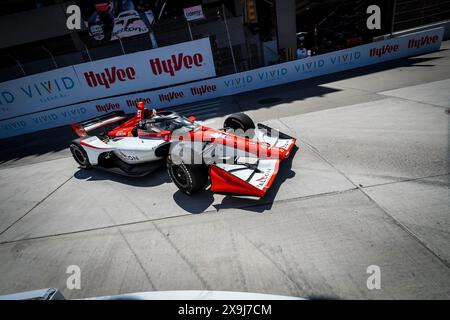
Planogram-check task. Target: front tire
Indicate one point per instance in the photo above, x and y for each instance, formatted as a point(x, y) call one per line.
point(80, 155)
point(189, 178)
point(240, 123)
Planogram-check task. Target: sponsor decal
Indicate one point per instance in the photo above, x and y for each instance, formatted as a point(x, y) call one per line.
point(128, 157)
point(167, 97)
point(45, 118)
point(14, 125)
point(238, 82)
point(384, 50)
point(193, 13)
point(109, 76)
point(345, 58)
point(272, 74)
point(46, 90)
point(423, 41)
point(134, 102)
point(128, 23)
point(48, 87)
point(201, 90)
point(107, 107)
point(175, 63)
point(262, 181)
point(74, 112)
point(6, 97)
point(310, 66)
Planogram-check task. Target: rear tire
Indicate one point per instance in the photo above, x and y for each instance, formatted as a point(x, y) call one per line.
point(240, 122)
point(189, 178)
point(80, 155)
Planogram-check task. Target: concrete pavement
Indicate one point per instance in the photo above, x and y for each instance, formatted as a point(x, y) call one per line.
point(369, 185)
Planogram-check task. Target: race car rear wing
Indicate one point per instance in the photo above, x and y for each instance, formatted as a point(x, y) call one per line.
point(83, 127)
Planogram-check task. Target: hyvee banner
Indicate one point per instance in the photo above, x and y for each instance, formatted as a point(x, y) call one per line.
point(404, 46)
point(143, 70)
point(148, 69)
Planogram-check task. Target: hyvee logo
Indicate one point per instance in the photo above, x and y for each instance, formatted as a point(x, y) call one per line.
point(386, 49)
point(170, 96)
point(199, 91)
point(134, 102)
point(175, 63)
point(109, 76)
point(107, 107)
point(423, 41)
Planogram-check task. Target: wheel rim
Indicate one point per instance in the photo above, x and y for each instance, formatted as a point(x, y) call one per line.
point(180, 176)
point(79, 156)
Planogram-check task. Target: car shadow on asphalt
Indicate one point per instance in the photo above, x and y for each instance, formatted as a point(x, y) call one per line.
point(156, 178)
point(199, 202)
point(196, 203)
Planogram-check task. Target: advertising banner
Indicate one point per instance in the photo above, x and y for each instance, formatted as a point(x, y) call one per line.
point(112, 19)
point(39, 92)
point(147, 69)
point(404, 46)
point(193, 13)
point(143, 70)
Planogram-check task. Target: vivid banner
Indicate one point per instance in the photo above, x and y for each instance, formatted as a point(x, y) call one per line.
point(368, 54)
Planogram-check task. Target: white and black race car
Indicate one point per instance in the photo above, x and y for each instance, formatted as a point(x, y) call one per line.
point(240, 158)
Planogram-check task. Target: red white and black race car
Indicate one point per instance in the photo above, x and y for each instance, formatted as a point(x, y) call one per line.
point(240, 158)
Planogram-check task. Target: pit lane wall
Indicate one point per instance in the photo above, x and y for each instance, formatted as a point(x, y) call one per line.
point(364, 55)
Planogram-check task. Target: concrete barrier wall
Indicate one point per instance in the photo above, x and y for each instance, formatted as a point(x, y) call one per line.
point(368, 54)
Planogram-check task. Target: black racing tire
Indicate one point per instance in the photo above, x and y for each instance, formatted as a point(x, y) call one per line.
point(134, 132)
point(189, 178)
point(80, 155)
point(240, 121)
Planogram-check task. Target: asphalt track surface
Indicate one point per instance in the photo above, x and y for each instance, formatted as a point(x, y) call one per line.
point(369, 185)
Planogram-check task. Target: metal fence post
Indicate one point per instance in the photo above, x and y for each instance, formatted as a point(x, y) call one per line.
point(51, 56)
point(229, 39)
point(394, 7)
point(18, 64)
point(189, 28)
point(88, 53)
point(121, 44)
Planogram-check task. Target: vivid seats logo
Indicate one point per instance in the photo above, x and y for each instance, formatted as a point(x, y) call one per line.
point(109, 76)
point(46, 90)
point(384, 50)
point(175, 63)
point(423, 41)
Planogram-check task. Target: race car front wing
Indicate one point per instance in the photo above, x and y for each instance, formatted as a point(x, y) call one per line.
point(252, 176)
